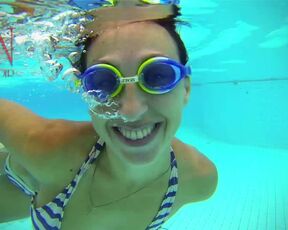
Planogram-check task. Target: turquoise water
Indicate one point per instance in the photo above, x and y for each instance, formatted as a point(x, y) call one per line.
point(237, 115)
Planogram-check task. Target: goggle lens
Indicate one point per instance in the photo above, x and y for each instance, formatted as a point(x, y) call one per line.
point(102, 80)
point(158, 76)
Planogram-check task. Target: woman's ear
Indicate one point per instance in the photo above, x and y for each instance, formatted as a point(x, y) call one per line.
point(187, 88)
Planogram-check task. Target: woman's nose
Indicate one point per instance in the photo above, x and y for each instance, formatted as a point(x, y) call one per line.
point(132, 102)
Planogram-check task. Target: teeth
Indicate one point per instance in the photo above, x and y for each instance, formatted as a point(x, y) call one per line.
point(137, 133)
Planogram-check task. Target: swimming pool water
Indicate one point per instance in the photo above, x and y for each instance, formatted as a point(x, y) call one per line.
point(237, 115)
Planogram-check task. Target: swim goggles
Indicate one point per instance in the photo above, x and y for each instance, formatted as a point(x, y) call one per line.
point(156, 75)
point(93, 4)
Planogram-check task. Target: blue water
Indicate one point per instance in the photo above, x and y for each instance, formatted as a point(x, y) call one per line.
point(237, 115)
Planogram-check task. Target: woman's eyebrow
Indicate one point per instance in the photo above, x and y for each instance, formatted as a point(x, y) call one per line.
point(115, 62)
point(104, 61)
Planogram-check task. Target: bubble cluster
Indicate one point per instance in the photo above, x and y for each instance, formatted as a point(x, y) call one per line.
point(46, 39)
point(103, 110)
point(54, 42)
point(57, 45)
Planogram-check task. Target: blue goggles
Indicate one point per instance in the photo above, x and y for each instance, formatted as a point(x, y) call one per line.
point(156, 75)
point(94, 4)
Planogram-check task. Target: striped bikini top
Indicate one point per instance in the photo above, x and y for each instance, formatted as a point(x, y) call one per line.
point(50, 216)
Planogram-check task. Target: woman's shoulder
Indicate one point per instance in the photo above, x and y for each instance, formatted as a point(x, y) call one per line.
point(49, 146)
point(199, 173)
point(62, 136)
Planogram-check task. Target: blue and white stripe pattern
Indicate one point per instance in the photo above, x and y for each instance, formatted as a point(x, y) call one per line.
point(169, 197)
point(17, 180)
point(50, 216)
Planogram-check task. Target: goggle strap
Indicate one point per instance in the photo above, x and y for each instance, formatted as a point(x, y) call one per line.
point(176, 2)
point(188, 70)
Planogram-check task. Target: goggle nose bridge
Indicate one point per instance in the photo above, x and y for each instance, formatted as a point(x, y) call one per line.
point(129, 80)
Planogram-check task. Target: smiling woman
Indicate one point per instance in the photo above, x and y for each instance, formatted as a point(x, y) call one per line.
point(110, 170)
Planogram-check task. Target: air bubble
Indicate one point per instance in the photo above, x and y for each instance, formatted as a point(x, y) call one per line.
point(51, 69)
point(25, 45)
point(72, 82)
point(74, 57)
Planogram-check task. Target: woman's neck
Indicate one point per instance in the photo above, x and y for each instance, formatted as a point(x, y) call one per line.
point(133, 175)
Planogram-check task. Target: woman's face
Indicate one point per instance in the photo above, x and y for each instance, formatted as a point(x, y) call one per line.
point(126, 48)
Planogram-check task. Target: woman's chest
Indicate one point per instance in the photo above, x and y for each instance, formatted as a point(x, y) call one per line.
point(97, 209)
point(133, 213)
point(111, 218)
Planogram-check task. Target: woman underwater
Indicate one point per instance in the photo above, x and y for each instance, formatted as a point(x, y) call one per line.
point(129, 172)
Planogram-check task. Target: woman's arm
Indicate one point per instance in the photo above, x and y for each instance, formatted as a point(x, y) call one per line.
point(39, 148)
point(16, 125)
point(21, 132)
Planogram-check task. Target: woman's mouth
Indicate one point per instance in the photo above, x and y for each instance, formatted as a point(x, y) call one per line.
point(137, 136)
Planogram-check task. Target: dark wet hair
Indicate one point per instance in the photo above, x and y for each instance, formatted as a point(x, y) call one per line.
point(168, 23)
